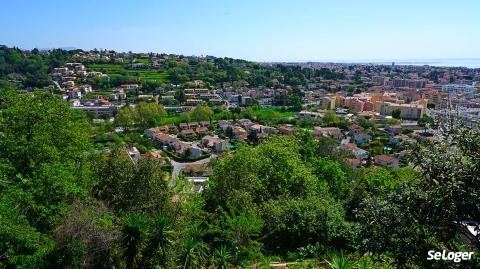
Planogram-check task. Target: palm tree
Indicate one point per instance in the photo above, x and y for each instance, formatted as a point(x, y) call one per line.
point(193, 250)
point(135, 233)
point(161, 239)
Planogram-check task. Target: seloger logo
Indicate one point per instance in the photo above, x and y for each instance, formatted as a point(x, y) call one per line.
point(449, 256)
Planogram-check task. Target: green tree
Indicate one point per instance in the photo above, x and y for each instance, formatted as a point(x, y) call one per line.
point(201, 113)
point(131, 186)
point(86, 236)
point(297, 104)
point(331, 172)
point(420, 214)
point(270, 179)
point(396, 113)
point(330, 118)
point(149, 113)
point(126, 117)
point(45, 162)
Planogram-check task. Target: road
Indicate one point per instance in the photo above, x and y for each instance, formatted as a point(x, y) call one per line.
point(177, 167)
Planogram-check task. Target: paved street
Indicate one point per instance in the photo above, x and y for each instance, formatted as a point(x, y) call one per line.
point(177, 167)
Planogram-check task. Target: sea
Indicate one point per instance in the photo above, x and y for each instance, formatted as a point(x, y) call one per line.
point(469, 63)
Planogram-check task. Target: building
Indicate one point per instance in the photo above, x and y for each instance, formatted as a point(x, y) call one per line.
point(355, 129)
point(214, 143)
point(99, 111)
point(357, 105)
point(309, 115)
point(239, 133)
point(189, 133)
point(326, 131)
point(133, 153)
point(201, 130)
point(380, 80)
point(409, 83)
point(246, 100)
point(328, 102)
point(129, 86)
point(286, 129)
point(394, 129)
point(439, 99)
point(361, 138)
point(407, 111)
point(357, 152)
point(193, 102)
point(387, 161)
point(355, 162)
point(159, 137)
point(457, 88)
point(186, 150)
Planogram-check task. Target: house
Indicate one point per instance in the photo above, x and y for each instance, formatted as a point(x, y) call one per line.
point(326, 131)
point(239, 133)
point(163, 129)
point(245, 123)
point(172, 128)
point(387, 161)
point(159, 137)
point(183, 126)
point(187, 150)
point(269, 130)
point(189, 133)
point(214, 143)
point(355, 162)
point(86, 88)
point(262, 137)
point(191, 151)
point(133, 153)
point(395, 139)
point(286, 129)
point(204, 123)
point(129, 86)
point(154, 155)
point(193, 125)
point(255, 128)
point(201, 130)
point(309, 115)
point(355, 129)
point(258, 128)
point(358, 152)
point(75, 93)
point(394, 129)
point(223, 124)
point(64, 97)
point(361, 138)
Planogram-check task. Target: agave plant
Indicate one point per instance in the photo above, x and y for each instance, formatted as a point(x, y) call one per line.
point(222, 258)
point(339, 261)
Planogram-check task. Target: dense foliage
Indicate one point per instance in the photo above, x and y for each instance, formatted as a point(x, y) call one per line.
point(63, 205)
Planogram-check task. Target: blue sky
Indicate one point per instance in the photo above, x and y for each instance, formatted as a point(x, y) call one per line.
point(260, 30)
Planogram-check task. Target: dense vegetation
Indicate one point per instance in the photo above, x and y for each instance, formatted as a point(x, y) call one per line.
point(32, 69)
point(63, 205)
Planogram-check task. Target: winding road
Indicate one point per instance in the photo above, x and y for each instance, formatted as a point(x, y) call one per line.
point(177, 167)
